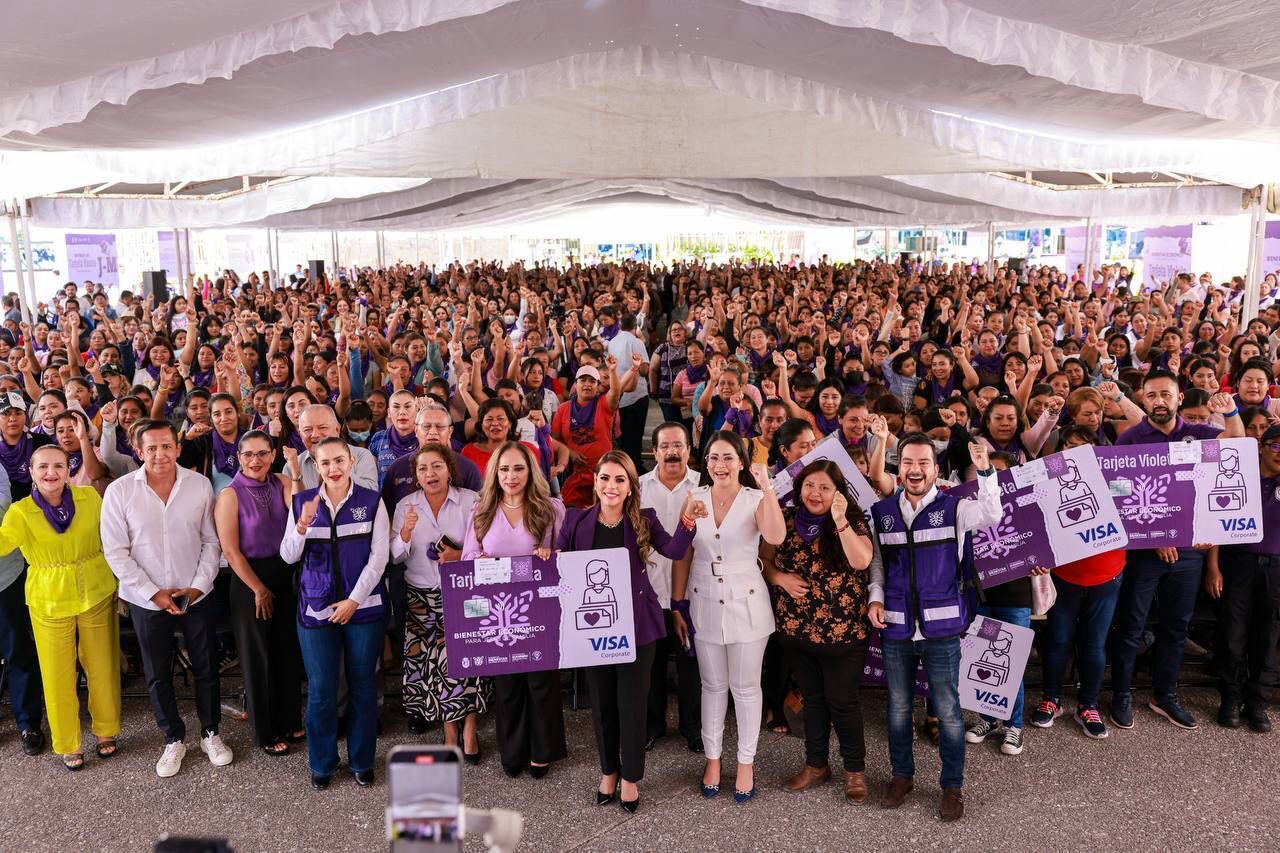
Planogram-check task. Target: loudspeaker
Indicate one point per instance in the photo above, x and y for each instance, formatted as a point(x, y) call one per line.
point(317, 269)
point(1015, 264)
point(155, 284)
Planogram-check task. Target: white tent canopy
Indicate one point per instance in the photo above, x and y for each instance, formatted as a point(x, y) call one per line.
point(403, 114)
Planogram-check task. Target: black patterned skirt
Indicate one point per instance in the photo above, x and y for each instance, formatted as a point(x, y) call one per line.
point(429, 692)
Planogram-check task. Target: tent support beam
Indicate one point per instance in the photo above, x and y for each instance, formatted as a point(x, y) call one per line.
point(1257, 237)
point(26, 243)
point(991, 250)
point(16, 250)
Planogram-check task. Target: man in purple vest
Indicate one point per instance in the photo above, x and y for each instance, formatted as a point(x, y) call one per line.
point(922, 600)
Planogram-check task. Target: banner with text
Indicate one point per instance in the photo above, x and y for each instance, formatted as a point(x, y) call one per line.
point(167, 243)
point(1186, 493)
point(993, 658)
point(92, 257)
point(1166, 252)
point(1056, 510)
point(522, 614)
point(832, 449)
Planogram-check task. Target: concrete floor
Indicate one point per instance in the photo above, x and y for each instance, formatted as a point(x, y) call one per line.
point(1155, 787)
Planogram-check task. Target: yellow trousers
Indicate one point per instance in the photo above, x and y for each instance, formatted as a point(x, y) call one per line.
point(99, 653)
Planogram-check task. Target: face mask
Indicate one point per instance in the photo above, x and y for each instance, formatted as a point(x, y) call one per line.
point(509, 319)
point(854, 377)
point(362, 435)
point(940, 446)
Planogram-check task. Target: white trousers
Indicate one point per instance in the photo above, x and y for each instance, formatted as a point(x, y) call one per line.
point(734, 667)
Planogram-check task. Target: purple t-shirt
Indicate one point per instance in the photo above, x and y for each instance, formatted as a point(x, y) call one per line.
point(1145, 433)
point(400, 482)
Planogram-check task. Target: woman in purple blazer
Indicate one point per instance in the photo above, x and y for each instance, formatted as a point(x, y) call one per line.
point(619, 691)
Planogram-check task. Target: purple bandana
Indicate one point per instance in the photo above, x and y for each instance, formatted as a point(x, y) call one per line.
point(696, 375)
point(582, 417)
point(400, 445)
point(808, 525)
point(74, 461)
point(203, 378)
point(990, 364)
point(224, 454)
point(826, 425)
point(123, 447)
point(59, 517)
point(16, 459)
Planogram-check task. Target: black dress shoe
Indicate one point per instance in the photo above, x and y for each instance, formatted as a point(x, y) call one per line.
point(513, 772)
point(32, 741)
point(1255, 714)
point(1229, 713)
point(472, 758)
point(537, 772)
point(651, 743)
point(418, 725)
point(631, 806)
point(605, 799)
point(320, 783)
point(364, 778)
point(695, 744)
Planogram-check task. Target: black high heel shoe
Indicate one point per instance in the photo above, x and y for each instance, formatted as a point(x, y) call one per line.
point(604, 799)
point(472, 758)
point(631, 806)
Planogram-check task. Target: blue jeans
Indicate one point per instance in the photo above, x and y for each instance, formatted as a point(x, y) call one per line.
point(323, 651)
point(942, 666)
point(1147, 577)
point(1014, 616)
point(1079, 621)
point(18, 650)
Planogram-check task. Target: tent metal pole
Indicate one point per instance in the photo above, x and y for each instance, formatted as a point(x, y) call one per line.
point(333, 236)
point(1257, 237)
point(278, 265)
point(191, 270)
point(177, 252)
point(991, 250)
point(1088, 250)
point(14, 247)
point(886, 244)
point(26, 243)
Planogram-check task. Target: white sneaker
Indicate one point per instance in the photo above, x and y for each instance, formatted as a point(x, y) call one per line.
point(1012, 741)
point(171, 759)
point(219, 753)
point(979, 731)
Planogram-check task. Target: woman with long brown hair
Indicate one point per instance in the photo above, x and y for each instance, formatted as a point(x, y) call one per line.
point(619, 691)
point(515, 515)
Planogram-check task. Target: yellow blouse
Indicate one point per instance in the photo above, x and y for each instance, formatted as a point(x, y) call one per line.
point(67, 573)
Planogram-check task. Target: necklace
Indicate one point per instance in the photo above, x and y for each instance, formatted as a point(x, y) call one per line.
point(607, 524)
point(516, 505)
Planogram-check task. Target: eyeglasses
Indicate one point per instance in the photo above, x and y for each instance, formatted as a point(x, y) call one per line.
point(1272, 446)
point(256, 454)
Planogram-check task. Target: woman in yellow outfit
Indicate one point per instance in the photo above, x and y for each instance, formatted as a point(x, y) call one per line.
point(70, 590)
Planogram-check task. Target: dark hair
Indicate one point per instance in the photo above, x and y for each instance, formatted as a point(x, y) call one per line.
point(829, 541)
point(666, 425)
point(787, 435)
point(223, 397)
point(146, 425)
point(440, 450)
point(851, 401)
point(1156, 373)
point(735, 441)
point(1002, 400)
point(1076, 431)
point(253, 435)
point(1252, 364)
point(1194, 397)
point(330, 442)
point(496, 403)
point(55, 394)
point(915, 438)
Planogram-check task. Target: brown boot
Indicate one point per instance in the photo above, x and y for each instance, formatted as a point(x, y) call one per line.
point(952, 805)
point(807, 778)
point(897, 791)
point(855, 786)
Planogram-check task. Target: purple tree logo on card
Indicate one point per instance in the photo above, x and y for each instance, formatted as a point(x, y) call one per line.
point(521, 569)
point(1055, 465)
point(1210, 450)
point(508, 614)
point(999, 539)
point(1147, 504)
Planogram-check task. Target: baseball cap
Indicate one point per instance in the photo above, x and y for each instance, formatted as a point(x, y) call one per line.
point(1272, 433)
point(112, 370)
point(12, 400)
point(588, 372)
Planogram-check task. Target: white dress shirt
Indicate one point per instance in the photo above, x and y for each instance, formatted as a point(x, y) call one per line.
point(152, 545)
point(364, 468)
point(420, 570)
point(621, 348)
point(666, 503)
point(379, 547)
point(983, 510)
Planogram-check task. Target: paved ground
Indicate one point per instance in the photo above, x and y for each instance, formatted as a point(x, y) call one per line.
point(1154, 787)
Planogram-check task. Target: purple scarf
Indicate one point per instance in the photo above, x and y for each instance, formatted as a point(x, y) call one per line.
point(825, 425)
point(295, 441)
point(203, 378)
point(759, 361)
point(401, 445)
point(990, 364)
point(224, 454)
point(16, 459)
point(737, 420)
point(542, 436)
point(808, 525)
point(582, 417)
point(74, 461)
point(59, 517)
point(609, 332)
point(696, 375)
point(123, 447)
point(941, 393)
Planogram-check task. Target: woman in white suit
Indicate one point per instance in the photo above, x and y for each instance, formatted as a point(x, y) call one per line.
point(721, 602)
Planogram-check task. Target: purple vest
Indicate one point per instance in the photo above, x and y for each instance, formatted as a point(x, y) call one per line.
point(1270, 543)
point(925, 583)
point(335, 554)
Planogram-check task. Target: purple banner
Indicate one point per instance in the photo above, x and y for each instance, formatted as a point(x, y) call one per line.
point(1165, 253)
point(92, 257)
point(873, 667)
point(522, 614)
point(1186, 493)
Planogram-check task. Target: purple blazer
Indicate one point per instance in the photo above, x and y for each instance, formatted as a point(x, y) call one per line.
point(578, 533)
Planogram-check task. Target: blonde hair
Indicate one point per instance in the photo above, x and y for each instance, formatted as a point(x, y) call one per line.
point(630, 504)
point(539, 512)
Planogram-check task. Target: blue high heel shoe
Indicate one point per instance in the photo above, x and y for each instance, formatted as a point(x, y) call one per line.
point(709, 791)
point(741, 797)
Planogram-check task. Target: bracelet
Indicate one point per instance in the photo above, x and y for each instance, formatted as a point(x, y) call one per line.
point(841, 530)
point(1232, 413)
point(688, 522)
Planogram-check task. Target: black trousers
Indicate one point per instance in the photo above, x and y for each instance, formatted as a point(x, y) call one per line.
point(156, 631)
point(270, 660)
point(1248, 622)
point(18, 650)
point(829, 676)
point(618, 694)
point(688, 688)
point(632, 420)
point(775, 680)
point(529, 718)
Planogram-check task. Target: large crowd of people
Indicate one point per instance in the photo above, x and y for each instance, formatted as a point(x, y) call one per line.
point(295, 458)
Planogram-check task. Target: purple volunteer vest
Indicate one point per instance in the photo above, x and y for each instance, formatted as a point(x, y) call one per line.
point(335, 554)
point(924, 580)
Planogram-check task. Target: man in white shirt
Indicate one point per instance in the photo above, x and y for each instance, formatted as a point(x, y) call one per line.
point(664, 490)
point(159, 539)
point(633, 406)
point(316, 423)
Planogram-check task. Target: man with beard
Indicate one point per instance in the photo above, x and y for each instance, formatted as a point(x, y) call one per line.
point(1169, 575)
point(664, 490)
point(584, 423)
point(922, 548)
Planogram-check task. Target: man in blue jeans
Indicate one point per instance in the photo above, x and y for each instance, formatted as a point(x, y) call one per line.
point(1168, 576)
point(922, 602)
